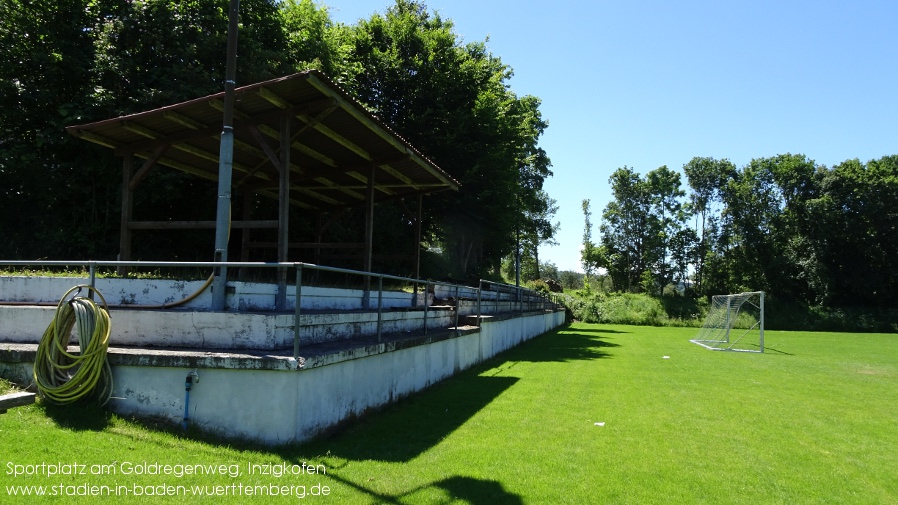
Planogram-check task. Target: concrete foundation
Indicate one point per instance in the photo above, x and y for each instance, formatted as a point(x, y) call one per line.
point(251, 385)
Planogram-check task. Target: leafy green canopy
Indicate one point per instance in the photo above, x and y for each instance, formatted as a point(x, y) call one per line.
point(75, 61)
point(785, 225)
point(451, 100)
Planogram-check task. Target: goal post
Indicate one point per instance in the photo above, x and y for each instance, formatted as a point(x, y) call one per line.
point(735, 323)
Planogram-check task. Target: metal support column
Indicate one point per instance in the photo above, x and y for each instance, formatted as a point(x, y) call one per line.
point(225, 165)
point(283, 211)
point(369, 222)
point(369, 235)
point(418, 227)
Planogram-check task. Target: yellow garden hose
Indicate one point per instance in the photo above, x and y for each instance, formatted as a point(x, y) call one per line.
point(63, 377)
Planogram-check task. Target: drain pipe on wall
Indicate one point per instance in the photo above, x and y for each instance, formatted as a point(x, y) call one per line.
point(192, 378)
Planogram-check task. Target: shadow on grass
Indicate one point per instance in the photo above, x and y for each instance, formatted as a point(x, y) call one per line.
point(477, 491)
point(768, 349)
point(415, 424)
point(578, 329)
point(467, 489)
point(81, 416)
point(403, 431)
point(564, 344)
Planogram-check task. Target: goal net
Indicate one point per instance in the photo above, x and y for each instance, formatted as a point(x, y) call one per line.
point(735, 323)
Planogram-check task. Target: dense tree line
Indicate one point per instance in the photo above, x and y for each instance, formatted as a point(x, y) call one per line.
point(69, 62)
point(785, 225)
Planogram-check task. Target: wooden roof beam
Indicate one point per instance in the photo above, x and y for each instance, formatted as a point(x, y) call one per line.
point(371, 125)
point(147, 166)
point(154, 142)
point(362, 178)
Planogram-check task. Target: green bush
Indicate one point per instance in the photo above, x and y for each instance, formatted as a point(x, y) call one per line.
point(676, 309)
point(620, 308)
point(539, 285)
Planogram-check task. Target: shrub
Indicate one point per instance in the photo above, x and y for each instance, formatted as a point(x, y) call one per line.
point(539, 285)
point(620, 308)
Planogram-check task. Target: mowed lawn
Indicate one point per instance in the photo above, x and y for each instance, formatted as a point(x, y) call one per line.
point(585, 414)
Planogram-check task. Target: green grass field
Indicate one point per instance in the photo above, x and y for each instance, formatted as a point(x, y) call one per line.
point(813, 420)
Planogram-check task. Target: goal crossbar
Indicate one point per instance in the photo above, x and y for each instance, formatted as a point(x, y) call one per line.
point(720, 333)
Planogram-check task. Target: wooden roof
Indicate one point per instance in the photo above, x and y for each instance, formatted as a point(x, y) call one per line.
point(334, 142)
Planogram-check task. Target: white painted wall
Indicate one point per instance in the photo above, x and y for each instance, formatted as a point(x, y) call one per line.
point(223, 330)
point(193, 326)
point(289, 406)
point(277, 406)
point(247, 296)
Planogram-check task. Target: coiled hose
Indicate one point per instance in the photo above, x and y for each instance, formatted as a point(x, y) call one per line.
point(62, 377)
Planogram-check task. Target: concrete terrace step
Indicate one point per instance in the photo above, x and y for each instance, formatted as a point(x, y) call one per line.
point(283, 399)
point(230, 330)
point(311, 356)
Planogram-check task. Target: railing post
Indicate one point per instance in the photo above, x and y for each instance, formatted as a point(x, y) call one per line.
point(380, 304)
point(93, 279)
point(426, 304)
point(457, 306)
point(479, 301)
point(297, 310)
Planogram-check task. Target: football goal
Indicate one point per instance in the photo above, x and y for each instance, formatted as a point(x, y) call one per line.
point(735, 323)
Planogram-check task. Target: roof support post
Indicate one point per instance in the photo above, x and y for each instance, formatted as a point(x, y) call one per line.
point(418, 219)
point(369, 221)
point(225, 165)
point(283, 211)
point(369, 234)
point(127, 211)
point(418, 227)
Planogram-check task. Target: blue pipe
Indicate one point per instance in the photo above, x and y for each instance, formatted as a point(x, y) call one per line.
point(188, 385)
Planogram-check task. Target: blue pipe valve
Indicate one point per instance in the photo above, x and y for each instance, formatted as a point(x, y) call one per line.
point(192, 378)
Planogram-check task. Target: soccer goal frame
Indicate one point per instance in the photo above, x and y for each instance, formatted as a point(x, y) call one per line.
point(720, 331)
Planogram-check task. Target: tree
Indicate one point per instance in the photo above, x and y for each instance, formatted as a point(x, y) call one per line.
point(313, 40)
point(538, 228)
point(68, 62)
point(663, 185)
point(631, 233)
point(684, 252)
point(52, 206)
point(451, 101)
point(592, 257)
point(570, 280)
point(707, 178)
point(857, 238)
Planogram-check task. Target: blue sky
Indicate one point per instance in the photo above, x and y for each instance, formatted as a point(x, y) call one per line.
point(651, 83)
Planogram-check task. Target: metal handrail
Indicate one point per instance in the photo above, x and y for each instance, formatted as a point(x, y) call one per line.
point(522, 295)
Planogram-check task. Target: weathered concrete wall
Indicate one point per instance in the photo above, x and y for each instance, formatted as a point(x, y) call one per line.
point(252, 326)
point(273, 406)
point(276, 401)
point(225, 330)
point(247, 296)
